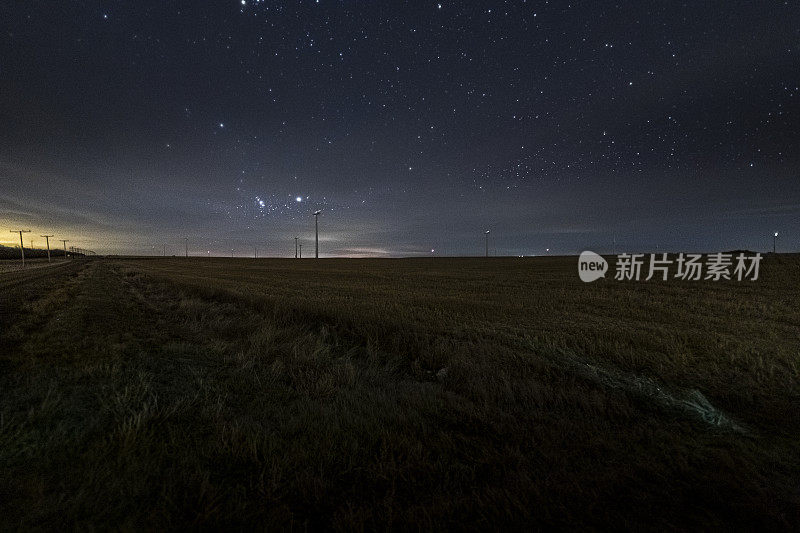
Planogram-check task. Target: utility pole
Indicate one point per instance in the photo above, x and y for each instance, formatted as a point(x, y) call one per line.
point(301, 250)
point(295, 247)
point(47, 240)
point(255, 252)
point(165, 250)
point(316, 232)
point(775, 242)
point(65, 241)
point(21, 244)
point(487, 242)
point(186, 244)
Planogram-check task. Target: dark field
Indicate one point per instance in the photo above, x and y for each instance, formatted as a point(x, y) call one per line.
point(395, 394)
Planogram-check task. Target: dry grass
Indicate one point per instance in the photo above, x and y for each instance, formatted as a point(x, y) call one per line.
point(364, 394)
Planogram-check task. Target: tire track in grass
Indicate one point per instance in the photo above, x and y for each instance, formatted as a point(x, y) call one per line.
point(690, 402)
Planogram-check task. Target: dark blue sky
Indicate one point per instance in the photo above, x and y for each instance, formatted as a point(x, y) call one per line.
point(412, 125)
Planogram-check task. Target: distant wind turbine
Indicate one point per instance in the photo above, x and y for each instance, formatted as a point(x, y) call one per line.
point(316, 231)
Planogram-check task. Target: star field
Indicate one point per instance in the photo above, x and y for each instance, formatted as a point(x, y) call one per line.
point(413, 125)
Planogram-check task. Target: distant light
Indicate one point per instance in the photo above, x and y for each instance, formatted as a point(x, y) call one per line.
point(105, 16)
point(221, 125)
point(299, 199)
point(776, 233)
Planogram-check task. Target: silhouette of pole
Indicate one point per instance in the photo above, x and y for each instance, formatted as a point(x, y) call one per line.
point(255, 253)
point(487, 242)
point(47, 240)
point(65, 241)
point(775, 242)
point(186, 243)
point(301, 250)
point(316, 233)
point(21, 244)
point(295, 247)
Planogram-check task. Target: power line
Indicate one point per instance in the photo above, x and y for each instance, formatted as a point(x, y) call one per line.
point(47, 240)
point(21, 244)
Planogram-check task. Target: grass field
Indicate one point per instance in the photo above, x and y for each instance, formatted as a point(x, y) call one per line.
point(395, 394)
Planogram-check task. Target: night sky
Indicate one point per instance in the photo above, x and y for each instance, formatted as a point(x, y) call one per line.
point(661, 126)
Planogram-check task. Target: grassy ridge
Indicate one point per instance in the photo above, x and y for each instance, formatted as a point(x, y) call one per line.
point(13, 253)
point(373, 394)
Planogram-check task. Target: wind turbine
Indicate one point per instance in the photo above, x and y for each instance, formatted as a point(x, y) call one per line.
point(21, 245)
point(487, 242)
point(47, 240)
point(316, 231)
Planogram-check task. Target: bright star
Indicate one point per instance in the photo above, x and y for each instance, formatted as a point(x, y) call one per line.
point(299, 199)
